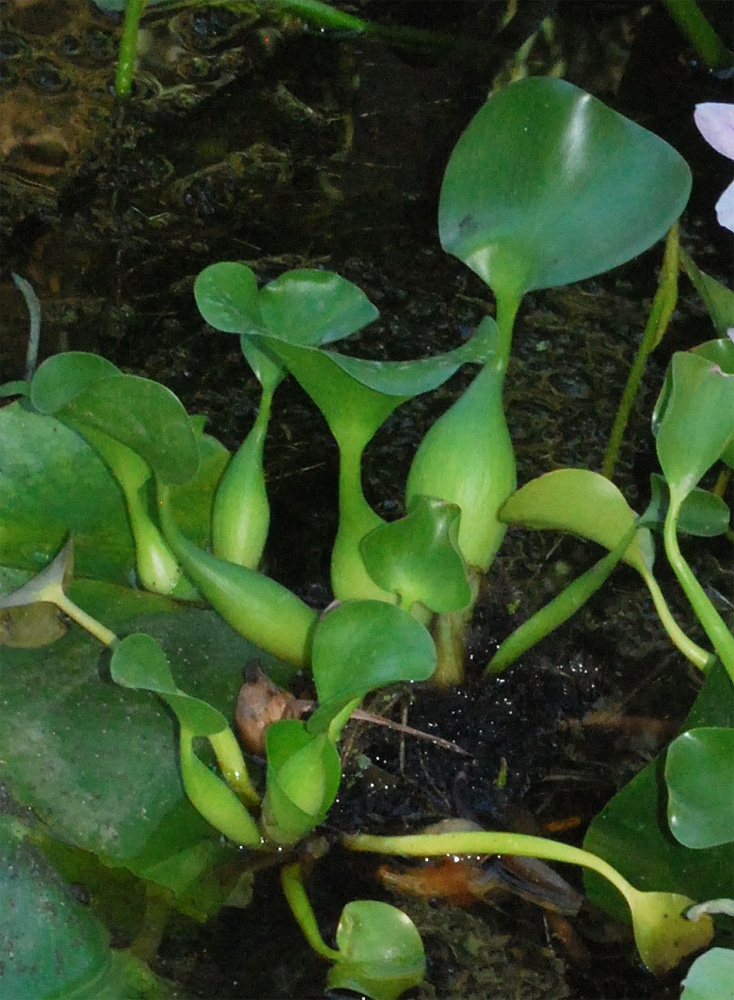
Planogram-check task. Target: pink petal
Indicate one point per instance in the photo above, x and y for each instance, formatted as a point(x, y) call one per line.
point(715, 122)
point(725, 208)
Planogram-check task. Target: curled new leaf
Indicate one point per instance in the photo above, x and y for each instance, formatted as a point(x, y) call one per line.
point(418, 557)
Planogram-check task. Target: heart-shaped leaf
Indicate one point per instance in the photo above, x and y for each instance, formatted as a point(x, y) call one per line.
point(63, 376)
point(632, 832)
point(363, 645)
point(548, 186)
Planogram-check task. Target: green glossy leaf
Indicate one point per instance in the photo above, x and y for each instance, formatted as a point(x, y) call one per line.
point(418, 557)
point(52, 484)
point(719, 299)
point(364, 645)
point(304, 771)
point(97, 762)
point(548, 186)
point(410, 378)
point(145, 416)
point(584, 503)
point(139, 662)
point(699, 772)
point(311, 307)
point(53, 946)
point(382, 952)
point(305, 306)
point(632, 831)
point(695, 420)
point(721, 352)
point(354, 411)
point(63, 376)
point(702, 514)
point(51, 943)
point(711, 977)
point(227, 297)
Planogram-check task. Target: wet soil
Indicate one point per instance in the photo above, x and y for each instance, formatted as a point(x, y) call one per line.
point(283, 147)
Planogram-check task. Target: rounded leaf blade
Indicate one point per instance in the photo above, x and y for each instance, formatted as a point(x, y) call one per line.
point(699, 772)
point(548, 186)
point(362, 645)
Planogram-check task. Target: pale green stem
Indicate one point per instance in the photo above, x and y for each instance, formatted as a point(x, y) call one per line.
point(701, 658)
point(507, 306)
point(714, 625)
point(349, 576)
point(481, 843)
point(95, 628)
point(291, 880)
point(449, 635)
point(232, 765)
point(661, 310)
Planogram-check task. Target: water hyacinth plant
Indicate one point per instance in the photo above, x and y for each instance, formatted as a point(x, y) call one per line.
point(547, 186)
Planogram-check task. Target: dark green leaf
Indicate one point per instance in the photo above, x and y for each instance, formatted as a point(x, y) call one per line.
point(71, 738)
point(145, 416)
point(632, 831)
point(52, 484)
point(699, 771)
point(63, 376)
point(548, 186)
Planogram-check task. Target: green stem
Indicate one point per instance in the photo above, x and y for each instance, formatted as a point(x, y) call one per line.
point(507, 306)
point(714, 625)
point(128, 48)
point(701, 658)
point(449, 635)
point(689, 18)
point(480, 843)
point(95, 628)
point(560, 609)
point(661, 310)
point(232, 765)
point(349, 576)
point(291, 879)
